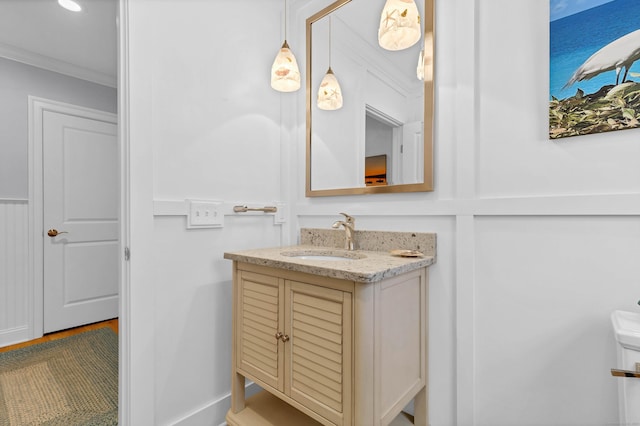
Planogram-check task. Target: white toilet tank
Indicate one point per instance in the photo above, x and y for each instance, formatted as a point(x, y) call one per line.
point(626, 326)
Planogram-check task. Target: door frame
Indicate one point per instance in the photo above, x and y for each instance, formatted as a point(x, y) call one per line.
point(124, 347)
point(37, 108)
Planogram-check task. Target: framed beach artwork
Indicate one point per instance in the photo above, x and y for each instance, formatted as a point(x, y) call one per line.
point(594, 83)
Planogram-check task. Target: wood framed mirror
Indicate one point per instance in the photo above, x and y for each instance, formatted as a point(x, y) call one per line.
point(387, 110)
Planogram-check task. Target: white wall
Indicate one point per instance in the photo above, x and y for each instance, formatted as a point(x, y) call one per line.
point(537, 240)
point(204, 124)
point(18, 81)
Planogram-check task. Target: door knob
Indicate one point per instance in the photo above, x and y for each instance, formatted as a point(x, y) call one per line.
point(53, 232)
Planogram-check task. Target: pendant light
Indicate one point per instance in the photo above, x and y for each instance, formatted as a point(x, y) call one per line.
point(399, 25)
point(329, 93)
point(285, 75)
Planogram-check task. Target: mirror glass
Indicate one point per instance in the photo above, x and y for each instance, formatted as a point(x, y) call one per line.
point(381, 140)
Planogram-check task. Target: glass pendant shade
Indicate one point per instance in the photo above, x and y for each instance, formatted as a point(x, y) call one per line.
point(285, 75)
point(329, 93)
point(399, 25)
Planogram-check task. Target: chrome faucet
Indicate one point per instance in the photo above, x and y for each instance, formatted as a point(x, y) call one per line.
point(349, 224)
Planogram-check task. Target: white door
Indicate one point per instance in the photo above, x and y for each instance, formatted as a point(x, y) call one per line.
point(80, 205)
point(412, 167)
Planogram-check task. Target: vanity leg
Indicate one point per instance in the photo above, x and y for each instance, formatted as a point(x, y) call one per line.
point(237, 392)
point(421, 412)
point(237, 380)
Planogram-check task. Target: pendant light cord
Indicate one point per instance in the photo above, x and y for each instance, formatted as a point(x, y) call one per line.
point(285, 20)
point(329, 41)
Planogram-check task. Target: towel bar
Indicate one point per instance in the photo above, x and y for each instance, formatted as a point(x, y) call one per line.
point(624, 373)
point(244, 209)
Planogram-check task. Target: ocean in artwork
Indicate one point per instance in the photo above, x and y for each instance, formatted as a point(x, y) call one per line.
point(578, 29)
point(574, 38)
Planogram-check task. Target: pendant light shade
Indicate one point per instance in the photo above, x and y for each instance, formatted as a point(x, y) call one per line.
point(329, 93)
point(399, 25)
point(285, 75)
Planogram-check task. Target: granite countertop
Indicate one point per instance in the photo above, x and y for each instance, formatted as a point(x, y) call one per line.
point(364, 265)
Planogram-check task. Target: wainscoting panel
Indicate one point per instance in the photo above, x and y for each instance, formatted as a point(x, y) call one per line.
point(14, 271)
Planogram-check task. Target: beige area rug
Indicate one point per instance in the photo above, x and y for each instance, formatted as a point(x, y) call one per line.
point(70, 381)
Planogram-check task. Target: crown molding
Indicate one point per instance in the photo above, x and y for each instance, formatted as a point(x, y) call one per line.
point(41, 61)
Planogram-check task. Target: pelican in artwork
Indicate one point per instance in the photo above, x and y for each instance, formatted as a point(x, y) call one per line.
point(620, 53)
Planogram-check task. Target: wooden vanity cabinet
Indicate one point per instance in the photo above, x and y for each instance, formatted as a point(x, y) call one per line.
point(341, 352)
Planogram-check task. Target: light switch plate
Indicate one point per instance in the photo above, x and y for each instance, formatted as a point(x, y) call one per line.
point(205, 214)
point(280, 216)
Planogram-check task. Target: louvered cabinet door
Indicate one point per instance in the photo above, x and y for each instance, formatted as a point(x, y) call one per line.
point(318, 322)
point(259, 356)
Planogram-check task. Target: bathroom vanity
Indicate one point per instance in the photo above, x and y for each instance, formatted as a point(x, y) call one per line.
point(334, 337)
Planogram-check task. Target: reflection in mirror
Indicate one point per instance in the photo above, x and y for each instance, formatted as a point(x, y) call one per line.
point(381, 139)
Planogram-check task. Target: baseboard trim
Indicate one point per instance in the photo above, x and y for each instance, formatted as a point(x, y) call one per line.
point(14, 335)
point(214, 412)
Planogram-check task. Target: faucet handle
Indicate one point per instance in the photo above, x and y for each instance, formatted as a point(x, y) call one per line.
point(349, 219)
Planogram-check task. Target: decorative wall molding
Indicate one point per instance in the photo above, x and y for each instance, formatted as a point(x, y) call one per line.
point(41, 61)
point(181, 208)
point(457, 268)
point(561, 205)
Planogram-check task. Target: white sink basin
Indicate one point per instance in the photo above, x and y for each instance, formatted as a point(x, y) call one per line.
point(626, 326)
point(323, 255)
point(320, 257)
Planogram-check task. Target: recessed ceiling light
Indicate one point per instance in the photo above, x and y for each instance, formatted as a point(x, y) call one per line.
point(70, 5)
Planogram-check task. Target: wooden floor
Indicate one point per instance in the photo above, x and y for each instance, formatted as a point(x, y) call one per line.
point(113, 324)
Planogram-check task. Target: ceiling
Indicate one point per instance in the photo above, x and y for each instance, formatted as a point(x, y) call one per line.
point(81, 44)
